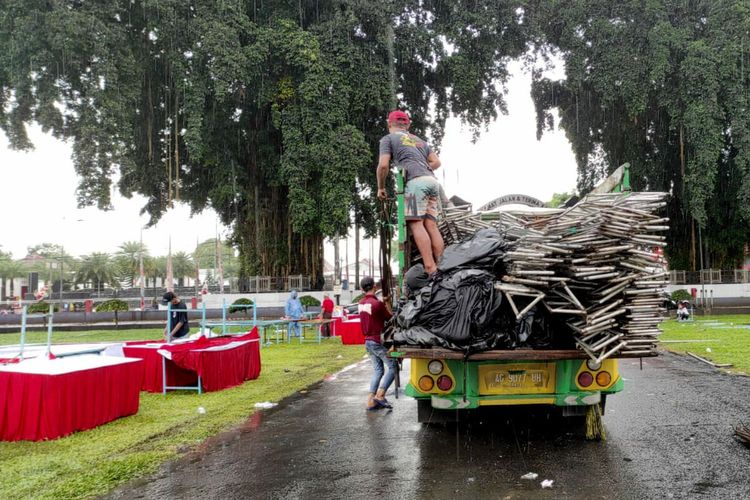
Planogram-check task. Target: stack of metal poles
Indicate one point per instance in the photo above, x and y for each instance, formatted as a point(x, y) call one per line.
point(598, 264)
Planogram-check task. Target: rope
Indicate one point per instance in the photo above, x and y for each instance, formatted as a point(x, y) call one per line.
point(386, 236)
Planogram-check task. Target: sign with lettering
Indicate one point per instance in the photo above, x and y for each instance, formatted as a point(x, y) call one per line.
point(511, 199)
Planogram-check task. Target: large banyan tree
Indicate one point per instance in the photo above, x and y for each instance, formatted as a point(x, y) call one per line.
point(268, 111)
point(663, 85)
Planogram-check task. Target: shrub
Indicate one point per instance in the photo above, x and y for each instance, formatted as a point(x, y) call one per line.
point(112, 305)
point(359, 297)
point(240, 302)
point(681, 294)
point(41, 307)
point(309, 301)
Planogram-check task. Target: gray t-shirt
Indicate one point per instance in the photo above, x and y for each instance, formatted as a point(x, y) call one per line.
point(408, 152)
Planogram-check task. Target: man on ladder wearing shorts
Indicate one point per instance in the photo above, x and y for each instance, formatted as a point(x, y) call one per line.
point(422, 190)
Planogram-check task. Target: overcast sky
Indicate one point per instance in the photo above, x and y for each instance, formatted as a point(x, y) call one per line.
point(39, 204)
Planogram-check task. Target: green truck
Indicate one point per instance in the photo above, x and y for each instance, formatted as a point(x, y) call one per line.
point(446, 383)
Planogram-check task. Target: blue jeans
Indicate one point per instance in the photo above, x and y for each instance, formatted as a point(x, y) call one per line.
point(294, 325)
point(379, 357)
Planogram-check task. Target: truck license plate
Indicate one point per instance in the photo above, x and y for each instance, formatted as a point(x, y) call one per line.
point(526, 378)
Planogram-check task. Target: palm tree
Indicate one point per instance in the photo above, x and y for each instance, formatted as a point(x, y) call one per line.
point(128, 259)
point(97, 268)
point(182, 265)
point(10, 270)
point(155, 267)
point(4, 258)
point(58, 265)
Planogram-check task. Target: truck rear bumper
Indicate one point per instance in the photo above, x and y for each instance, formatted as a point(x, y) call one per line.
point(471, 402)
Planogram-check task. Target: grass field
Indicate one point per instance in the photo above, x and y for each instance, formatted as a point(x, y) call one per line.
point(82, 337)
point(721, 339)
point(90, 463)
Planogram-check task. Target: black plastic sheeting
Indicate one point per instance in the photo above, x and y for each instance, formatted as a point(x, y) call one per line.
point(459, 308)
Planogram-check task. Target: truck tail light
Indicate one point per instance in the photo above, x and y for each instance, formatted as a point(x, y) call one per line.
point(444, 383)
point(585, 379)
point(426, 383)
point(603, 378)
point(435, 367)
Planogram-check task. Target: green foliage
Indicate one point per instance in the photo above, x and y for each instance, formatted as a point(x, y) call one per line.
point(269, 112)
point(111, 306)
point(91, 463)
point(98, 270)
point(46, 250)
point(128, 259)
point(182, 265)
point(41, 307)
point(681, 294)
point(205, 256)
point(359, 297)
point(309, 301)
point(558, 199)
point(240, 302)
point(664, 86)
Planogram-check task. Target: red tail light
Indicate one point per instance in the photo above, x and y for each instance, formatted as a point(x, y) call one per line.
point(585, 379)
point(444, 383)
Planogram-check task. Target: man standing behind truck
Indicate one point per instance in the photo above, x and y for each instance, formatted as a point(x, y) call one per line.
point(422, 190)
point(372, 316)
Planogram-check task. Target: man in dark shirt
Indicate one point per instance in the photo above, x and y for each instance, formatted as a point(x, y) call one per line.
point(326, 312)
point(372, 316)
point(179, 318)
point(422, 190)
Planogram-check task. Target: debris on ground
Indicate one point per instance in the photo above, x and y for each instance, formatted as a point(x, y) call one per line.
point(530, 475)
point(547, 483)
point(201, 410)
point(742, 432)
point(265, 405)
point(709, 362)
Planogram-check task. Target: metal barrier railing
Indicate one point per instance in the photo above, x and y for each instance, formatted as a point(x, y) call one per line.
point(709, 276)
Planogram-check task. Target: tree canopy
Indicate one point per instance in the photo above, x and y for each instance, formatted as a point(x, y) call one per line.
point(662, 85)
point(269, 112)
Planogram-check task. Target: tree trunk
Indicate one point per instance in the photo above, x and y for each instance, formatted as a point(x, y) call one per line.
point(356, 253)
point(692, 244)
point(280, 251)
point(336, 261)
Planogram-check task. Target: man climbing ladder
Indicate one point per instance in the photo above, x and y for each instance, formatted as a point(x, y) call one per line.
point(422, 191)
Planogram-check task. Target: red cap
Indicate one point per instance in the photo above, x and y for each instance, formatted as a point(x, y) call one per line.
point(398, 116)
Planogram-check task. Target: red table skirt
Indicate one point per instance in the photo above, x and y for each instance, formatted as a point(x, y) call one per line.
point(152, 369)
point(34, 406)
point(350, 332)
point(219, 369)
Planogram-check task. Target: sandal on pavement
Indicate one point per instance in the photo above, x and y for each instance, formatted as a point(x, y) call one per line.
point(383, 403)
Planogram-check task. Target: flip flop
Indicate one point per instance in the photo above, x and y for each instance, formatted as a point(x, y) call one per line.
point(374, 408)
point(383, 404)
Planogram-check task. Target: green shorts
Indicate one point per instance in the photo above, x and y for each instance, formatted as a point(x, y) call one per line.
point(422, 198)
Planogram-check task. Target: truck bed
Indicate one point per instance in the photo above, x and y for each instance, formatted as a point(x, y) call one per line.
point(514, 354)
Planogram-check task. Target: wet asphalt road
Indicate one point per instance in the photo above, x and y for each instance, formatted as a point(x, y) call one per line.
point(669, 436)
